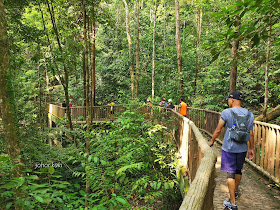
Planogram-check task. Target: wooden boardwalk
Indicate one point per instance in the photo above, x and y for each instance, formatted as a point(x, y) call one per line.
point(256, 192)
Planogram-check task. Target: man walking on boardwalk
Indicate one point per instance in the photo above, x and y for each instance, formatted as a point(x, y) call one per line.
point(239, 131)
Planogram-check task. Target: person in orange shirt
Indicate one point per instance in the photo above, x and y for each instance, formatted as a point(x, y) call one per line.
point(183, 108)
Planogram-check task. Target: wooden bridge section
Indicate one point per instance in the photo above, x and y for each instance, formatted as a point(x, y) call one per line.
point(78, 113)
point(197, 159)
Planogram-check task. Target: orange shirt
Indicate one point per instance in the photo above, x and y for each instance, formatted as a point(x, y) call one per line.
point(183, 108)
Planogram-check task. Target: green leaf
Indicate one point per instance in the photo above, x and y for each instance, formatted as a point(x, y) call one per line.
point(47, 200)
point(77, 186)
point(239, 3)
point(166, 186)
point(171, 184)
point(89, 158)
point(134, 187)
point(158, 185)
point(8, 206)
point(256, 40)
point(31, 177)
point(9, 185)
point(59, 199)
point(38, 198)
point(123, 201)
point(134, 165)
point(51, 170)
point(103, 162)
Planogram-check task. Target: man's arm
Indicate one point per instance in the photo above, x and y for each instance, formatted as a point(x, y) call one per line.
point(217, 131)
point(251, 145)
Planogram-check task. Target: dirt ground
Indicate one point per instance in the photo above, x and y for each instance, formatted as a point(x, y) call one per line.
point(256, 191)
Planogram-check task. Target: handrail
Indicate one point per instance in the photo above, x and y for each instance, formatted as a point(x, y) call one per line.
point(201, 191)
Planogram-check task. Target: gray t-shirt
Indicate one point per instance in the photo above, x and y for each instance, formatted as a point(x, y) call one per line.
point(228, 144)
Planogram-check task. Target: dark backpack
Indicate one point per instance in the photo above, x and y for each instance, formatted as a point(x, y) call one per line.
point(240, 128)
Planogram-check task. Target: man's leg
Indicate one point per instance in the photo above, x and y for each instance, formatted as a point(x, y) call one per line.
point(237, 181)
point(231, 187)
point(228, 164)
point(239, 165)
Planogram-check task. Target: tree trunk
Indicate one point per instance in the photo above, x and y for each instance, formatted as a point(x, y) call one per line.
point(154, 51)
point(137, 50)
point(164, 82)
point(66, 75)
point(84, 80)
point(87, 191)
point(198, 30)
point(265, 119)
point(40, 99)
point(234, 54)
point(93, 61)
point(130, 47)
point(7, 111)
point(51, 49)
point(271, 115)
point(178, 47)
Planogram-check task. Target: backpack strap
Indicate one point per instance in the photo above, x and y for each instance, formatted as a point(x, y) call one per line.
point(234, 115)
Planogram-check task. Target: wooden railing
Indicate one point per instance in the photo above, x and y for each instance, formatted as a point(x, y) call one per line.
point(98, 113)
point(266, 140)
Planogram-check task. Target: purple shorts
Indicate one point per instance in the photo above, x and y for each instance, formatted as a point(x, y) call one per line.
point(232, 161)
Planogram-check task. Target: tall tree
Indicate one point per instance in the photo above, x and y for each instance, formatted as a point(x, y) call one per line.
point(137, 49)
point(6, 106)
point(85, 32)
point(234, 54)
point(198, 23)
point(65, 84)
point(266, 72)
point(129, 46)
point(154, 51)
point(93, 58)
point(178, 47)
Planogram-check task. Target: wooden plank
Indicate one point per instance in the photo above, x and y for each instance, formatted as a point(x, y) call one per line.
point(277, 172)
point(201, 119)
point(269, 152)
point(263, 146)
point(255, 141)
point(258, 144)
point(272, 151)
point(266, 150)
point(204, 118)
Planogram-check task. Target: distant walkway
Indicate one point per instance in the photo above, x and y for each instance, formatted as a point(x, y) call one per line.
point(256, 195)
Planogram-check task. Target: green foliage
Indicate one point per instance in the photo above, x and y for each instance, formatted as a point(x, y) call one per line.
point(34, 57)
point(130, 163)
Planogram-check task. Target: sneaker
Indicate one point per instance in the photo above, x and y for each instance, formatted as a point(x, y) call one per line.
point(237, 193)
point(229, 205)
